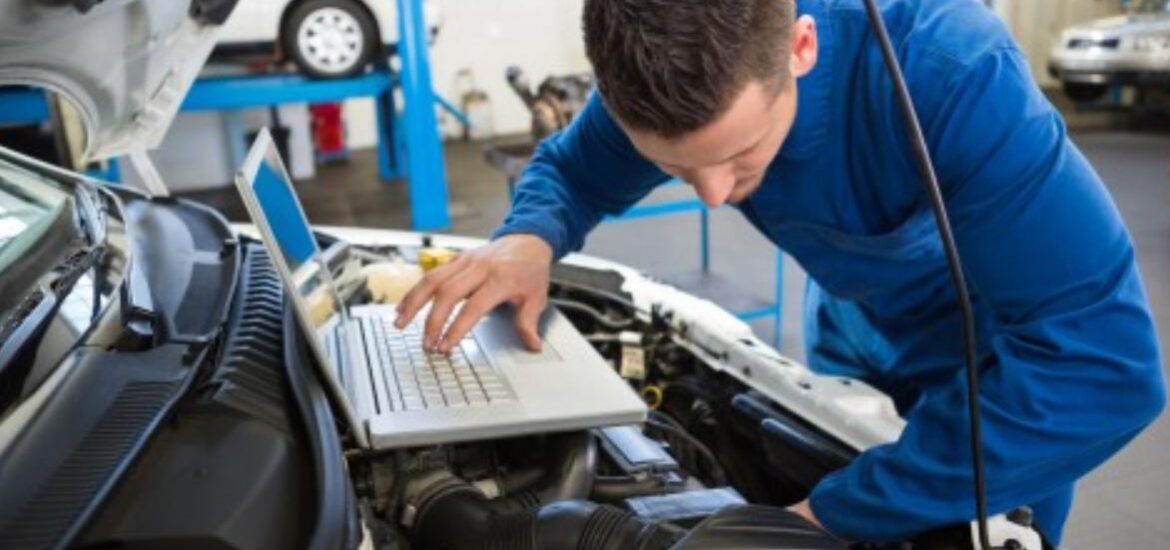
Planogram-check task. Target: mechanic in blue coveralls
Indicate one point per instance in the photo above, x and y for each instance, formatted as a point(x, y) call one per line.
point(785, 112)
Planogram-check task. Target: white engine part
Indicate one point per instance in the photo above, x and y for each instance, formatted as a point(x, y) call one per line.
point(1000, 530)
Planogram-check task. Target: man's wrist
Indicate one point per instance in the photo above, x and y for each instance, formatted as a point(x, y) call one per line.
point(531, 232)
point(530, 243)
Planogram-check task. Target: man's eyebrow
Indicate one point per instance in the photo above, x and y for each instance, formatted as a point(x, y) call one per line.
point(754, 144)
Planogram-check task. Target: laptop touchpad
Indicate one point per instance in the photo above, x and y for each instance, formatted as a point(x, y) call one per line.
point(497, 333)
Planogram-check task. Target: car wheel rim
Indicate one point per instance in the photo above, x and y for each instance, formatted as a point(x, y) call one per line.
point(330, 40)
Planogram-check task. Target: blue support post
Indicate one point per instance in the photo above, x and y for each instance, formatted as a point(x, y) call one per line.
point(20, 105)
point(397, 139)
point(388, 166)
point(657, 209)
point(113, 171)
point(453, 111)
point(428, 177)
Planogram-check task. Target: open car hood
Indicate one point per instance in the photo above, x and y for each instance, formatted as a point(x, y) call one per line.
point(124, 64)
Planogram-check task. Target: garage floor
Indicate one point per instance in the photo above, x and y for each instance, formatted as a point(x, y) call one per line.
point(1121, 505)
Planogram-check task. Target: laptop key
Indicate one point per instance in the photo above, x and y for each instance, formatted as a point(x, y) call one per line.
point(477, 400)
point(422, 380)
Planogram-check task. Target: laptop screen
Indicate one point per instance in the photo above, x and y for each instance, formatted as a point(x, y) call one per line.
point(282, 214)
point(273, 206)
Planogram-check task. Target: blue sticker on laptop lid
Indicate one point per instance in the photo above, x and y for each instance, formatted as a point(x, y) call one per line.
point(280, 207)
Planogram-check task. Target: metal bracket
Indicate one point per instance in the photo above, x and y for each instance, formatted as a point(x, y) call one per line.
point(148, 174)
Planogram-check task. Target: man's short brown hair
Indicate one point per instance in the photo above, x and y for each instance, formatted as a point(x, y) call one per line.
point(673, 66)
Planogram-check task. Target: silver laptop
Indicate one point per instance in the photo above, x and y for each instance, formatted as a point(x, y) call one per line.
point(395, 395)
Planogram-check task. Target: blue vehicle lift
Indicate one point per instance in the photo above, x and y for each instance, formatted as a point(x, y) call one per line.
point(408, 142)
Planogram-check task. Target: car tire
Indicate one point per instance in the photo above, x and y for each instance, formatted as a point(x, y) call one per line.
point(1085, 93)
point(330, 38)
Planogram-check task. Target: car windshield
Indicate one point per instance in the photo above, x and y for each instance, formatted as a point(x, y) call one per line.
point(29, 204)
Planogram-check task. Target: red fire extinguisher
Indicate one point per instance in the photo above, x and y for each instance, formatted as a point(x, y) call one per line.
point(328, 132)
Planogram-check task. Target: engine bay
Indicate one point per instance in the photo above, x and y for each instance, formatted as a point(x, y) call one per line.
point(258, 458)
point(709, 442)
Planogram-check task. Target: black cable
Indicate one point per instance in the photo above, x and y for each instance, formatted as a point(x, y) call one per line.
point(595, 314)
point(578, 287)
point(934, 194)
point(671, 426)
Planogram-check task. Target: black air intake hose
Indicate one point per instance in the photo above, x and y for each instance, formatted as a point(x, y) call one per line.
point(463, 519)
point(567, 474)
point(450, 514)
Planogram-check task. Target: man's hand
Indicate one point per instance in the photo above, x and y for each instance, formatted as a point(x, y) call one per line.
point(513, 269)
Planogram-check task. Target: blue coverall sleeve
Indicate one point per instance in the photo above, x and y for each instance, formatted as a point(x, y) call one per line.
point(588, 170)
point(1073, 369)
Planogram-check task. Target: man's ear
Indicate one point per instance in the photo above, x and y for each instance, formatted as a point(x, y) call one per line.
point(804, 46)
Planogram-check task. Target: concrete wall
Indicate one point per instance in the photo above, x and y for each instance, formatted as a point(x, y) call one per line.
point(203, 150)
point(544, 37)
point(484, 37)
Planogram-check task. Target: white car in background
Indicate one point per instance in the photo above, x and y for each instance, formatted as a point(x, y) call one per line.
point(324, 38)
point(1126, 49)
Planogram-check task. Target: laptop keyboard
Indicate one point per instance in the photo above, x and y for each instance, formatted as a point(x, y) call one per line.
point(416, 380)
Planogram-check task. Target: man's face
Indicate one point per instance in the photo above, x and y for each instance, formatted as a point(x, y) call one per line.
point(725, 161)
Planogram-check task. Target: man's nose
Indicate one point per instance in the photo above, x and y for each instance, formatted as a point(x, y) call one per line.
point(714, 186)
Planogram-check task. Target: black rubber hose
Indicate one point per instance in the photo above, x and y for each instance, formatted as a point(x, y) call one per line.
point(614, 490)
point(444, 499)
point(954, 262)
point(566, 475)
point(466, 520)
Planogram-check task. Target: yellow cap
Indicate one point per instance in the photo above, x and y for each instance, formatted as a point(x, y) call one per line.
point(430, 258)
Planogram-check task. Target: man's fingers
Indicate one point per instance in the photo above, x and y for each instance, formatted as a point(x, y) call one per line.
point(454, 290)
point(422, 292)
point(527, 317)
point(478, 305)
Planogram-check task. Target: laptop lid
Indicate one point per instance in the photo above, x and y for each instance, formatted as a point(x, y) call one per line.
point(268, 195)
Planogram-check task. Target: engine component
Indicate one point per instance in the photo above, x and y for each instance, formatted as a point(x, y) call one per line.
point(615, 490)
point(388, 282)
point(686, 508)
point(758, 527)
point(802, 454)
point(644, 466)
point(566, 475)
point(441, 500)
point(635, 453)
point(432, 257)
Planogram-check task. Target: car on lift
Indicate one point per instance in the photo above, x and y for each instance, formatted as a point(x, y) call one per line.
point(155, 390)
point(323, 38)
point(1131, 49)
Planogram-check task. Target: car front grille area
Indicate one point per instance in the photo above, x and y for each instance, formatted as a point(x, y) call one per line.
point(1089, 44)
